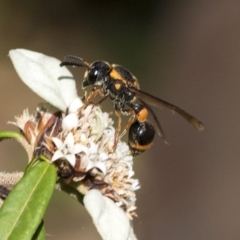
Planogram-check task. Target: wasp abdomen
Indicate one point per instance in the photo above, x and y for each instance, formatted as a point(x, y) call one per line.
point(140, 137)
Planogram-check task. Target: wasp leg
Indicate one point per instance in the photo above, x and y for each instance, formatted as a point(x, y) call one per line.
point(92, 95)
point(129, 123)
point(118, 127)
point(104, 98)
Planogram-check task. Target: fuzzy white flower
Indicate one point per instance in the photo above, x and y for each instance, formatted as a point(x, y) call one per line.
point(66, 149)
point(70, 122)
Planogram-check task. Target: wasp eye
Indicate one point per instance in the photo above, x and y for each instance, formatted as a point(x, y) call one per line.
point(98, 70)
point(92, 75)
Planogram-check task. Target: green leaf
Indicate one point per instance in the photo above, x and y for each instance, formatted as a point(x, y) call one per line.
point(40, 233)
point(24, 208)
point(34, 161)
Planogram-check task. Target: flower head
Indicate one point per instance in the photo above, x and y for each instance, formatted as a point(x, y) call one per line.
point(78, 138)
point(67, 149)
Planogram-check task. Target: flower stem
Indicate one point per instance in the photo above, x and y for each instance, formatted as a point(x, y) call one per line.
point(9, 134)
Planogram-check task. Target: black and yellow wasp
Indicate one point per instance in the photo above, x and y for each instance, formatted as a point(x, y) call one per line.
point(122, 87)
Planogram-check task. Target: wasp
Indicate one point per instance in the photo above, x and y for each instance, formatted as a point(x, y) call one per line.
point(122, 87)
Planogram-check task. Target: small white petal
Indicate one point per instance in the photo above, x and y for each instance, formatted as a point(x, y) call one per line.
point(93, 147)
point(83, 137)
point(70, 122)
point(65, 151)
point(71, 159)
point(103, 156)
point(110, 220)
point(77, 148)
point(69, 141)
point(135, 185)
point(57, 155)
point(82, 148)
point(101, 166)
point(59, 144)
point(84, 162)
point(75, 105)
point(45, 77)
point(130, 174)
point(89, 165)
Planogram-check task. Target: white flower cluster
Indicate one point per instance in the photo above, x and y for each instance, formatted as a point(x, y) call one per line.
point(84, 136)
point(87, 143)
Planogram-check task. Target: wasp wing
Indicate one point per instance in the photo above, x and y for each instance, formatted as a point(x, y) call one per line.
point(157, 102)
point(159, 127)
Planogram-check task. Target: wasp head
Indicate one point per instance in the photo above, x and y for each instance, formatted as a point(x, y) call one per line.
point(96, 73)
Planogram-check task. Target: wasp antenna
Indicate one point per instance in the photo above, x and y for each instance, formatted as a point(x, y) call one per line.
point(74, 61)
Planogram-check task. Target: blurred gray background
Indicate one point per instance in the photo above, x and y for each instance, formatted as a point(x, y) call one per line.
point(185, 52)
